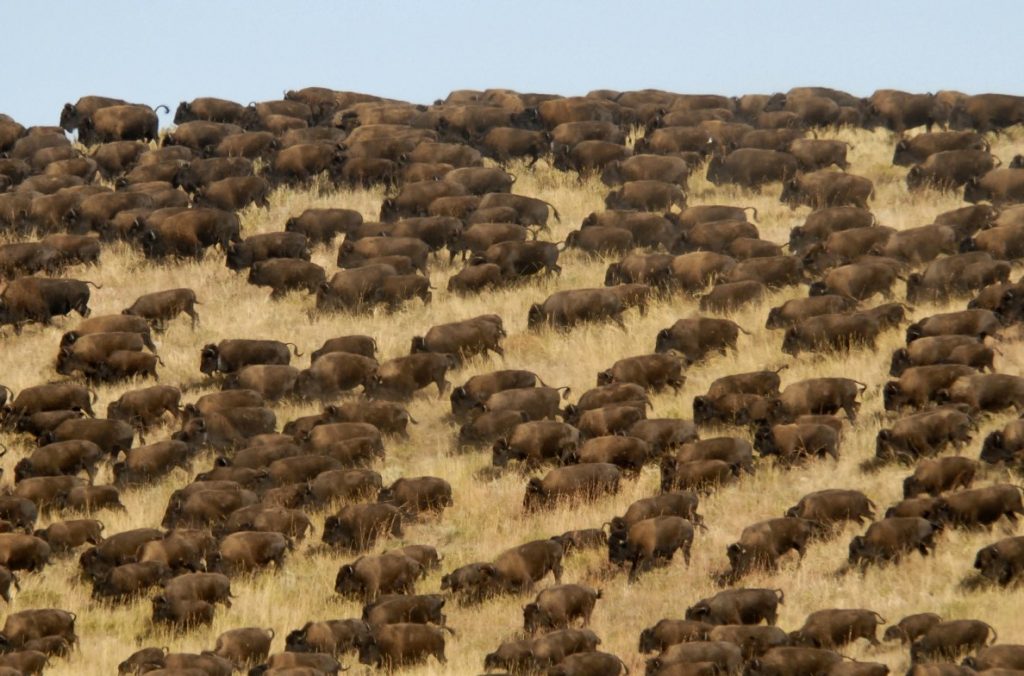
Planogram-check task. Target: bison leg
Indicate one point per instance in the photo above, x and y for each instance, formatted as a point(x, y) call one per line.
point(634, 568)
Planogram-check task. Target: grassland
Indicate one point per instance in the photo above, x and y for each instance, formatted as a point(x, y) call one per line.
point(487, 516)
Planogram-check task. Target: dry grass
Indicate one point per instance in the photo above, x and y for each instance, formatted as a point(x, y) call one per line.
point(487, 517)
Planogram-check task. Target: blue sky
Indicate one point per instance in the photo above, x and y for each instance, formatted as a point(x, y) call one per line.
point(162, 52)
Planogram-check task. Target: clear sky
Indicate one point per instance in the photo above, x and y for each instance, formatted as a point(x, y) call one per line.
point(155, 52)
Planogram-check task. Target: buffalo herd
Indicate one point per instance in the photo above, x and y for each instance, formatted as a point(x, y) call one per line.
point(441, 177)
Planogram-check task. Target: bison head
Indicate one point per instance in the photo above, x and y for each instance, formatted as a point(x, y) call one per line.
point(209, 359)
point(858, 551)
point(500, 453)
point(818, 288)
point(775, 320)
point(346, 583)
point(239, 256)
point(418, 345)
point(892, 396)
point(183, 112)
point(535, 494)
point(704, 410)
point(162, 610)
point(605, 377)
point(992, 565)
point(791, 341)
point(715, 170)
point(369, 651)
point(796, 238)
point(883, 442)
point(800, 638)
point(192, 433)
point(296, 642)
point(993, 450)
point(915, 178)
point(69, 117)
point(915, 287)
point(895, 633)
point(903, 155)
point(337, 533)
point(698, 612)
point(648, 642)
point(535, 617)
point(614, 275)
point(24, 470)
point(619, 550)
point(614, 200)
point(462, 402)
point(611, 176)
point(913, 332)
point(912, 487)
point(389, 210)
point(974, 192)
point(665, 341)
point(791, 193)
point(307, 386)
point(738, 555)
point(66, 363)
point(535, 316)
point(764, 442)
point(69, 338)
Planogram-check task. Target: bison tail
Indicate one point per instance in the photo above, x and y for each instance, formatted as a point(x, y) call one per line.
point(568, 391)
point(781, 594)
point(270, 630)
point(781, 369)
point(412, 420)
point(558, 216)
point(861, 385)
point(93, 284)
point(881, 620)
point(166, 109)
point(295, 349)
point(743, 330)
point(449, 630)
point(753, 210)
point(95, 397)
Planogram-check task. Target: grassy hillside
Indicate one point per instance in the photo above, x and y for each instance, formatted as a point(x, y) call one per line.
point(487, 516)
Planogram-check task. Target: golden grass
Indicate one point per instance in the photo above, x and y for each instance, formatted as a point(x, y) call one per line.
point(488, 517)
